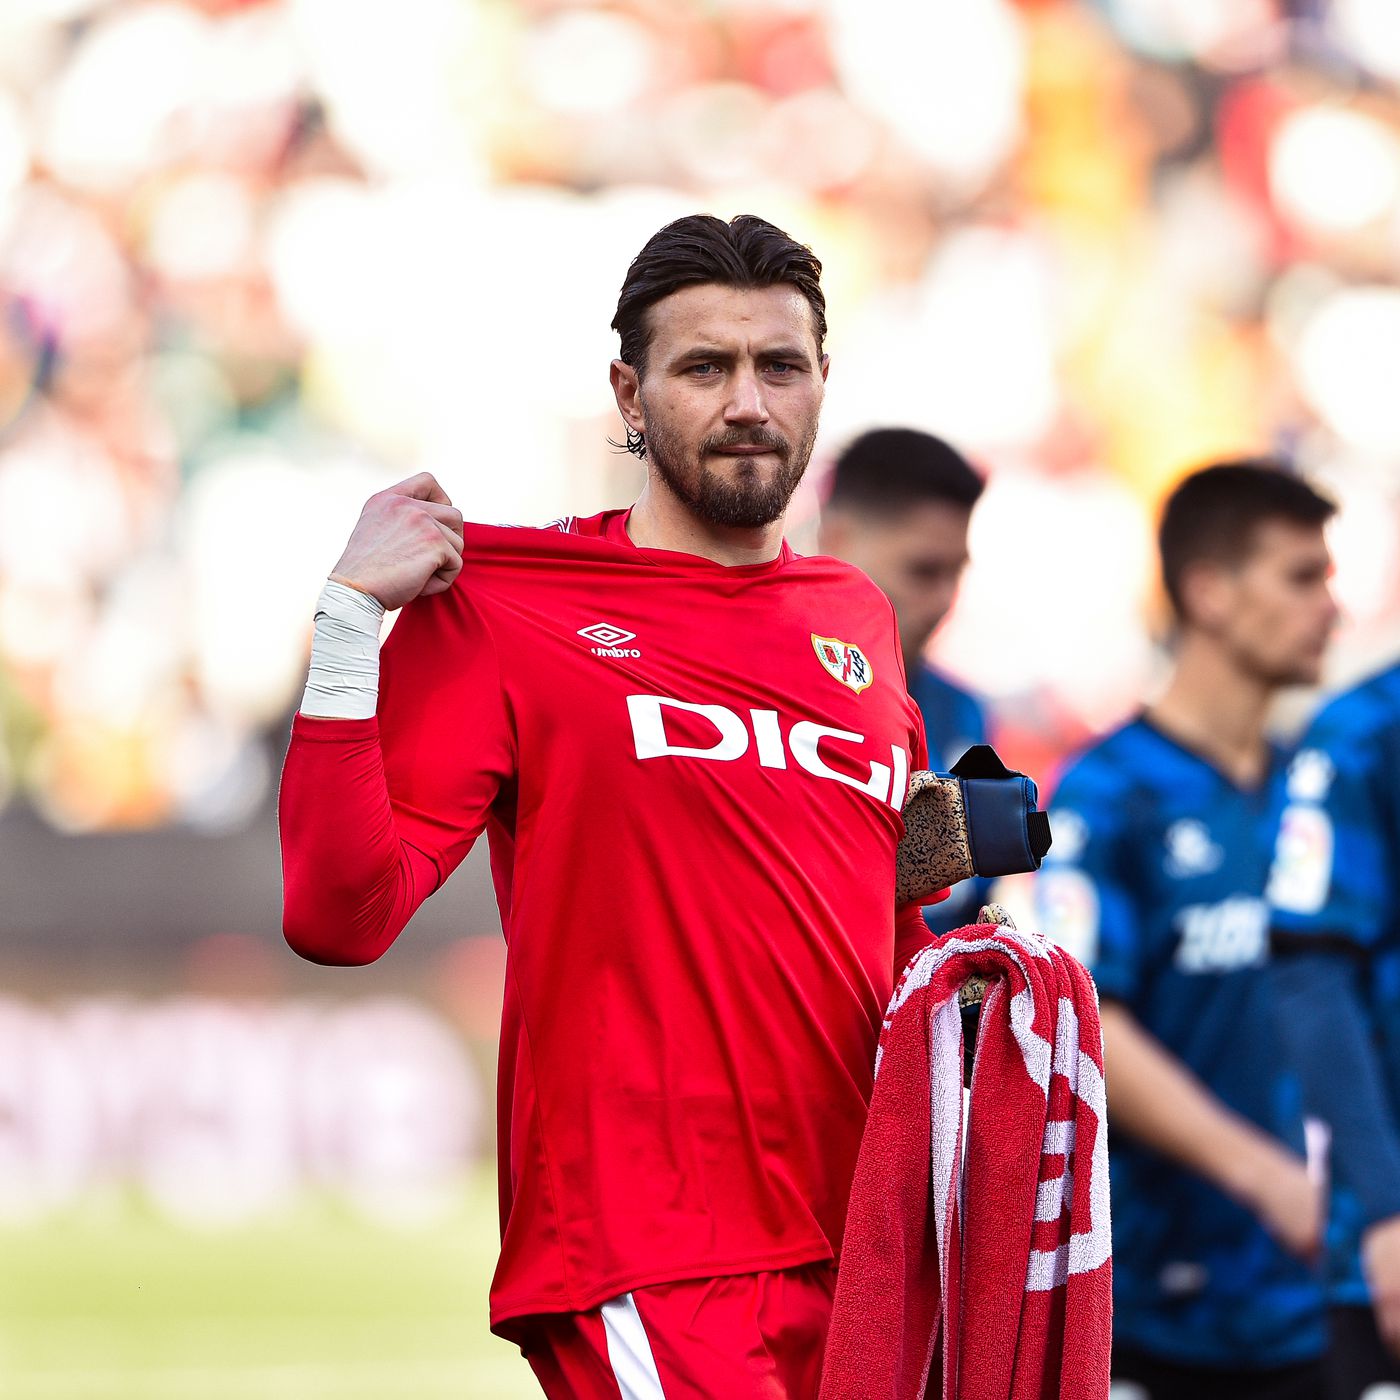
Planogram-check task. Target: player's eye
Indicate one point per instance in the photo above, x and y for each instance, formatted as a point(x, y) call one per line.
point(704, 370)
point(930, 571)
point(781, 368)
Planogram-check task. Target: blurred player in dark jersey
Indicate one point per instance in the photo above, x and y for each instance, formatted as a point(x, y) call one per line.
point(1335, 893)
point(1163, 839)
point(898, 507)
point(689, 748)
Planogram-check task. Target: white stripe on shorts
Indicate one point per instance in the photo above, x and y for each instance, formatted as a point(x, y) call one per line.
point(629, 1351)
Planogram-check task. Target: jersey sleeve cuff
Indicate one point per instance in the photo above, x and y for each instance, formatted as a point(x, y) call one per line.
point(310, 729)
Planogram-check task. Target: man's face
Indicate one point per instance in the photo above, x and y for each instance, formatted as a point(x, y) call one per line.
point(729, 400)
point(1275, 613)
point(916, 558)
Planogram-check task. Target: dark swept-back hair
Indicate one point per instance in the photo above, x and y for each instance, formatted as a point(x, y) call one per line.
point(885, 471)
point(747, 252)
point(1213, 514)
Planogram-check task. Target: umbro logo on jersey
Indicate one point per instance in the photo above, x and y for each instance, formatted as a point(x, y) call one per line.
point(847, 663)
point(609, 639)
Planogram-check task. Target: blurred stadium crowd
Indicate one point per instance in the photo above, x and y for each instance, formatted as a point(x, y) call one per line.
point(259, 257)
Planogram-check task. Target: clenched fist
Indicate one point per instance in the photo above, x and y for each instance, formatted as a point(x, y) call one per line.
point(1380, 1257)
point(406, 544)
point(1288, 1200)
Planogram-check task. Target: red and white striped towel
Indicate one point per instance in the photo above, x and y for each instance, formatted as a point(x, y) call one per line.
point(976, 1261)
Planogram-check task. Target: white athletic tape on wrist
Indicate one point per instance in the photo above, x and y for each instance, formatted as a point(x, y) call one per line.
point(343, 682)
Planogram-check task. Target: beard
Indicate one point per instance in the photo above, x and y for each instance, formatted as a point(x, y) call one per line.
point(747, 499)
point(1301, 671)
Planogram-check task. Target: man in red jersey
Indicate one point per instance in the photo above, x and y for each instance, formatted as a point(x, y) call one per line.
point(689, 748)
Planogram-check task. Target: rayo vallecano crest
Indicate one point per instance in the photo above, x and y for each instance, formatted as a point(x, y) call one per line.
point(849, 664)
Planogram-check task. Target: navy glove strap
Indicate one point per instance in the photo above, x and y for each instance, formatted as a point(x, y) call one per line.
point(1005, 833)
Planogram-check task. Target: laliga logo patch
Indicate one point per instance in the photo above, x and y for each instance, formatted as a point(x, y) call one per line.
point(847, 663)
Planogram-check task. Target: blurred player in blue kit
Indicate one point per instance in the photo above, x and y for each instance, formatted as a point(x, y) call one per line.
point(899, 505)
point(1163, 840)
point(1335, 892)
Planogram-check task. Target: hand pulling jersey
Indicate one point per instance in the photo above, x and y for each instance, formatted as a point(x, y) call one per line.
point(1156, 882)
point(690, 776)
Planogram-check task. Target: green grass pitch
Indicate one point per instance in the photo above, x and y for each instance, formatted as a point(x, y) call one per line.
point(110, 1302)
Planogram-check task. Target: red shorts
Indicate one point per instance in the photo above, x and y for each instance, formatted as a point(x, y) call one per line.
point(745, 1337)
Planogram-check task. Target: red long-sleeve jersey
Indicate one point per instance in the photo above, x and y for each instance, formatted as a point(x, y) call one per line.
point(690, 776)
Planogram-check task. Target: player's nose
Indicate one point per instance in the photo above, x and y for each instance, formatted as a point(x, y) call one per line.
point(1330, 612)
point(746, 401)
